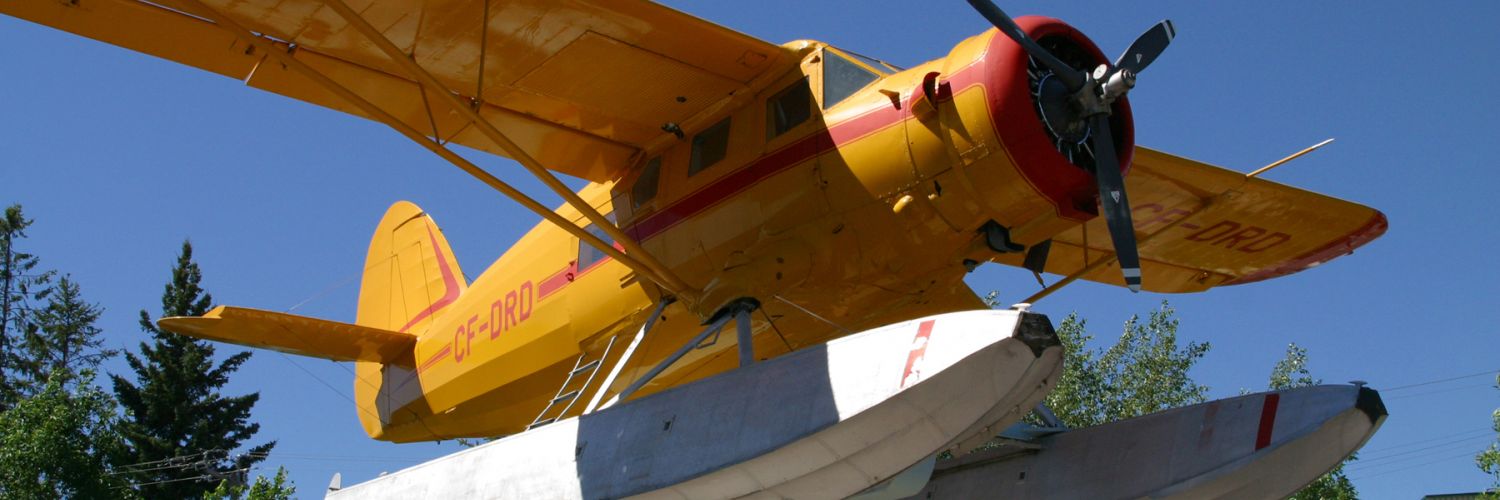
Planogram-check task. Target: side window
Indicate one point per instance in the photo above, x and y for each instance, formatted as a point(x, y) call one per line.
point(709, 146)
point(587, 254)
point(788, 108)
point(842, 78)
point(645, 185)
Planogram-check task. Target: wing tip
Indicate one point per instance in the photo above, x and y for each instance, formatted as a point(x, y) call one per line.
point(1373, 228)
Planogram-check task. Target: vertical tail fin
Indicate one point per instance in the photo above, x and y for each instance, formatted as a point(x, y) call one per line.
point(410, 273)
point(410, 278)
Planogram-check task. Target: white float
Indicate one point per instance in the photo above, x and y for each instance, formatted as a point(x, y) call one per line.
point(824, 422)
point(1265, 445)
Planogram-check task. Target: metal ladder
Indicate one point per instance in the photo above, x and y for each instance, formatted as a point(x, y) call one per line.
point(564, 395)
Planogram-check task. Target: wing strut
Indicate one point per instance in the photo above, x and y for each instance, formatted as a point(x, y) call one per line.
point(666, 281)
point(511, 148)
point(1104, 261)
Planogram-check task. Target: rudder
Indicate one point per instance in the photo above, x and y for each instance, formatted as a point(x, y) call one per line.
point(410, 273)
point(410, 277)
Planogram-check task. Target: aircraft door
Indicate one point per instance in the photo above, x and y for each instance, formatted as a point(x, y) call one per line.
point(601, 291)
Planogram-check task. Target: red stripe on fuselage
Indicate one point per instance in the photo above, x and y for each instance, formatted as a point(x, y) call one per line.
point(560, 279)
point(432, 360)
point(553, 283)
point(805, 149)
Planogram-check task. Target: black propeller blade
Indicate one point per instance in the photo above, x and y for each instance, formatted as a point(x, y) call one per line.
point(1146, 47)
point(1073, 78)
point(1092, 94)
point(1113, 202)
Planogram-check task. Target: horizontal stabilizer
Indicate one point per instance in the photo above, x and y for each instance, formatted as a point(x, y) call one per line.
point(296, 335)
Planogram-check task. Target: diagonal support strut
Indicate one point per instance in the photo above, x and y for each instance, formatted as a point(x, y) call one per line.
point(375, 112)
point(510, 147)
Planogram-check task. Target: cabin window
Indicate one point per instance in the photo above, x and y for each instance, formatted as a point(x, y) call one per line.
point(788, 108)
point(842, 78)
point(709, 146)
point(587, 254)
point(645, 185)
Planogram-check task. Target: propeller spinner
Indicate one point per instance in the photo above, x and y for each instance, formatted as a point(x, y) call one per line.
point(1075, 107)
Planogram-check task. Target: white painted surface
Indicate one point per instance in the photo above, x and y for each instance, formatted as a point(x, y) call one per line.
point(826, 421)
point(1219, 449)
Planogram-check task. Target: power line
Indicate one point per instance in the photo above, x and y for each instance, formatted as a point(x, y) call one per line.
point(1414, 466)
point(340, 284)
point(338, 458)
point(1439, 381)
point(330, 289)
point(165, 481)
point(1485, 430)
point(1467, 449)
point(1439, 391)
point(168, 459)
point(205, 461)
point(315, 377)
point(1366, 463)
point(210, 474)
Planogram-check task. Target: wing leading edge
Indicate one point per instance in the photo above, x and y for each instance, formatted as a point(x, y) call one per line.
point(581, 85)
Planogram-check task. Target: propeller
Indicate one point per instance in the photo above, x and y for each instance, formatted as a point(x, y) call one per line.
point(1083, 113)
point(1146, 47)
point(1115, 205)
point(1073, 78)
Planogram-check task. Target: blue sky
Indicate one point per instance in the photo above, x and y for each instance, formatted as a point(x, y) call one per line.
point(120, 157)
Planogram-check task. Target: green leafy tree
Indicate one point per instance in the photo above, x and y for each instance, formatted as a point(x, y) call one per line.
point(1145, 371)
point(175, 414)
point(1289, 373)
point(55, 444)
point(64, 340)
point(1489, 459)
point(21, 285)
point(277, 488)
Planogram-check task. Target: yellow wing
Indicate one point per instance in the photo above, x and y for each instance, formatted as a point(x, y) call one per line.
point(1202, 226)
point(581, 85)
point(296, 335)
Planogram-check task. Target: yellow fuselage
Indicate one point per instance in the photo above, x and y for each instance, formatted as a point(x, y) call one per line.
point(862, 215)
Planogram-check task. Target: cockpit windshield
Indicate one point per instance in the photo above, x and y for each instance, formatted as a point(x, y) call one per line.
point(842, 78)
point(876, 64)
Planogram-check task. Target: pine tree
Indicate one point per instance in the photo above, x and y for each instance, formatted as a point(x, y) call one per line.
point(174, 412)
point(21, 285)
point(63, 341)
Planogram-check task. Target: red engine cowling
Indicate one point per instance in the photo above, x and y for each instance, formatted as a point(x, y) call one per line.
point(1023, 130)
